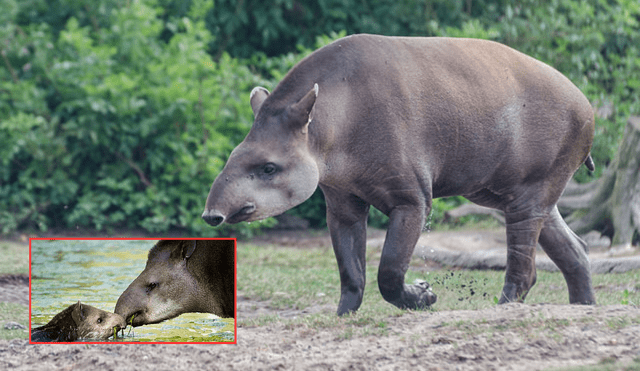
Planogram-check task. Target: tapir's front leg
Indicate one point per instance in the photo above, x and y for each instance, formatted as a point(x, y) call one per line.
point(405, 227)
point(347, 221)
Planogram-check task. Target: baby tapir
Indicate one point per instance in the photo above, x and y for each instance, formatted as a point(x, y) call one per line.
point(182, 276)
point(79, 321)
point(394, 122)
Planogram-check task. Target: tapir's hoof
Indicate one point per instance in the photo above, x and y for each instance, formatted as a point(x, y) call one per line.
point(426, 297)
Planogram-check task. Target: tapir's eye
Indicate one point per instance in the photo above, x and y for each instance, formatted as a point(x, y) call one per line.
point(269, 169)
point(151, 286)
point(99, 320)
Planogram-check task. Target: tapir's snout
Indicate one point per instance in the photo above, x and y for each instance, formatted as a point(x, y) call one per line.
point(120, 323)
point(213, 218)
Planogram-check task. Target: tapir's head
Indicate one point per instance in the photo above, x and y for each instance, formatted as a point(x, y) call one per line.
point(94, 323)
point(273, 169)
point(165, 288)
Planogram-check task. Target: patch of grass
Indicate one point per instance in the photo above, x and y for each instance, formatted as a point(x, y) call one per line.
point(288, 278)
point(15, 258)
point(10, 312)
point(346, 334)
point(301, 278)
point(607, 364)
point(618, 323)
point(462, 289)
point(618, 288)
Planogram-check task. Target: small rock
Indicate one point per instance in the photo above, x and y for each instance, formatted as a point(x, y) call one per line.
point(465, 357)
point(442, 340)
point(13, 326)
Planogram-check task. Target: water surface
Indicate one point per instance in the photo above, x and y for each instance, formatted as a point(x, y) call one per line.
point(96, 272)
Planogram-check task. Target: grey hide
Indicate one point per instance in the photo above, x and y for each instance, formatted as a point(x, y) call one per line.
point(393, 122)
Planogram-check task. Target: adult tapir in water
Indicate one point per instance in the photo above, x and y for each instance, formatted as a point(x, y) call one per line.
point(394, 122)
point(182, 276)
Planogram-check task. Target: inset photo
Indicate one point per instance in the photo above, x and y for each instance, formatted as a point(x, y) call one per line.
point(127, 290)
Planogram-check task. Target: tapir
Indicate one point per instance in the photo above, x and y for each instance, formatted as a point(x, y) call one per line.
point(393, 122)
point(182, 276)
point(79, 321)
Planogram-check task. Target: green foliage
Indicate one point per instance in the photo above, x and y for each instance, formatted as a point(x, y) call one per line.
point(120, 113)
point(115, 127)
point(278, 27)
point(625, 297)
point(438, 208)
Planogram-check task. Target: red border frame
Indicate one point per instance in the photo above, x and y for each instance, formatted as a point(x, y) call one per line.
point(235, 290)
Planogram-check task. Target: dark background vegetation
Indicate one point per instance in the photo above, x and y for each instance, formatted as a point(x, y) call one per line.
point(120, 113)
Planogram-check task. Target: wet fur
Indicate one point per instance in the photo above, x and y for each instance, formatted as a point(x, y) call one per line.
point(78, 321)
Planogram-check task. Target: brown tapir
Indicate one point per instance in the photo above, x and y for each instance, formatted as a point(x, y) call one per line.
point(182, 276)
point(394, 122)
point(79, 321)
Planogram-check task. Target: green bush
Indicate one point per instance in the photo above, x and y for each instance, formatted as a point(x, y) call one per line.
point(120, 113)
point(118, 128)
point(278, 27)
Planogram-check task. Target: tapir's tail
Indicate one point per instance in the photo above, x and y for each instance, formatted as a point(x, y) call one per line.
point(589, 163)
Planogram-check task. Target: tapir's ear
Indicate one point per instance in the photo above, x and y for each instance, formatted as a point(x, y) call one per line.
point(257, 97)
point(78, 313)
point(300, 112)
point(188, 248)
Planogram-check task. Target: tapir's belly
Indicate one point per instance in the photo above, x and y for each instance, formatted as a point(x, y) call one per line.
point(493, 157)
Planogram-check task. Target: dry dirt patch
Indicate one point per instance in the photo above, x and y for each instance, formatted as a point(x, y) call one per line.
point(508, 337)
point(14, 288)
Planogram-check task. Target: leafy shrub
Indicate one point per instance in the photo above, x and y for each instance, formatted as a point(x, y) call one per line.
point(120, 113)
point(278, 27)
point(117, 128)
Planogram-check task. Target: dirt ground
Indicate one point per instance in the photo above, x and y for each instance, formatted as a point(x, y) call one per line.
point(507, 337)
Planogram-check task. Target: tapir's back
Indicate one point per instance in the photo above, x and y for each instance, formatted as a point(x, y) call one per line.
point(472, 110)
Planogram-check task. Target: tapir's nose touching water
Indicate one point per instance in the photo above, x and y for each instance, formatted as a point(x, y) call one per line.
point(394, 122)
point(182, 276)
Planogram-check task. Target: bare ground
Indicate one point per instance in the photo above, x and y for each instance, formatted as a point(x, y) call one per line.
point(14, 288)
point(507, 337)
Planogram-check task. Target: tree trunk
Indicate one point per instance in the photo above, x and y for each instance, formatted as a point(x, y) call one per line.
point(610, 205)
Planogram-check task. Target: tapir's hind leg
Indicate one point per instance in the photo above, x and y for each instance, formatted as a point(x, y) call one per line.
point(568, 252)
point(522, 238)
point(405, 226)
